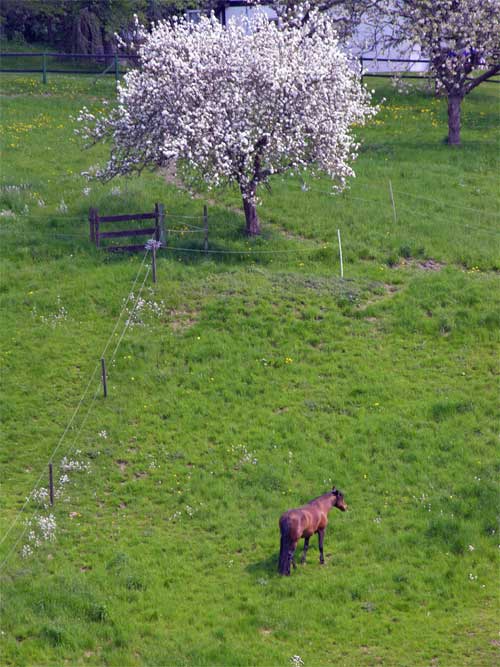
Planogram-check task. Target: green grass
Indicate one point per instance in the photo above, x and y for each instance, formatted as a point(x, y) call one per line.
point(256, 382)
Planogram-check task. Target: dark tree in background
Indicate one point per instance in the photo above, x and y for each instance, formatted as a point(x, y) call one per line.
point(81, 26)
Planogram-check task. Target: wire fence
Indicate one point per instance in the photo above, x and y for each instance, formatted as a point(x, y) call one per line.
point(174, 231)
point(117, 64)
point(177, 226)
point(46, 62)
point(22, 511)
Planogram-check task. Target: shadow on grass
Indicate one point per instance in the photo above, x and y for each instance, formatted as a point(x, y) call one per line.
point(267, 566)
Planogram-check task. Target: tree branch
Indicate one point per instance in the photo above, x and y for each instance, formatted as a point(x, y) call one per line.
point(479, 79)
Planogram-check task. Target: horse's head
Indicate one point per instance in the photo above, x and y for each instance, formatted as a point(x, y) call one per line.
point(338, 500)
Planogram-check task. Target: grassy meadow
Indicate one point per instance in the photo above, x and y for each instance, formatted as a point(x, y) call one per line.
point(248, 382)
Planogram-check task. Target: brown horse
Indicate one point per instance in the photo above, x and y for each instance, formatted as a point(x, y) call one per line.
point(304, 522)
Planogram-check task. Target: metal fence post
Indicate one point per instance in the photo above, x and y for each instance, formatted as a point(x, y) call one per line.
point(117, 68)
point(44, 68)
point(51, 484)
point(104, 377)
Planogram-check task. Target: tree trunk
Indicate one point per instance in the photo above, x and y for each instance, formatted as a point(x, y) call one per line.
point(454, 102)
point(252, 219)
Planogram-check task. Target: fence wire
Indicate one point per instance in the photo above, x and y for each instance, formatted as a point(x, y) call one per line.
point(75, 413)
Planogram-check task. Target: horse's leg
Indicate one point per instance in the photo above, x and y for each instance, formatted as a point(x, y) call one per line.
point(306, 547)
point(291, 555)
point(321, 536)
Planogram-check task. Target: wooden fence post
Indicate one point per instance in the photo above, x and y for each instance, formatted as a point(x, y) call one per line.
point(205, 227)
point(96, 228)
point(91, 223)
point(117, 68)
point(160, 222)
point(153, 262)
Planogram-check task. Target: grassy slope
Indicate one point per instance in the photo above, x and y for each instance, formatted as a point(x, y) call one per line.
point(384, 384)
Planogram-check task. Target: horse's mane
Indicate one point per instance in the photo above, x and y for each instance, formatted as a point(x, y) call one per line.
point(323, 495)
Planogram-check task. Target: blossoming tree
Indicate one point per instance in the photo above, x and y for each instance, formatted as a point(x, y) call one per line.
point(347, 14)
point(236, 104)
point(461, 38)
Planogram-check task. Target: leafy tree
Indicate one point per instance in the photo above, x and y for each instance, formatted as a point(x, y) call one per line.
point(32, 20)
point(233, 105)
point(83, 26)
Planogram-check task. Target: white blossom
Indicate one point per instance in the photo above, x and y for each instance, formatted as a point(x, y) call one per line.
point(236, 104)
point(461, 39)
point(63, 207)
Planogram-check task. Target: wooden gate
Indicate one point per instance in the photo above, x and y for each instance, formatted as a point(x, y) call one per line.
point(157, 232)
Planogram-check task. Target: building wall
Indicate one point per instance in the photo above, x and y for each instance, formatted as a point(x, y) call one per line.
point(239, 10)
point(407, 51)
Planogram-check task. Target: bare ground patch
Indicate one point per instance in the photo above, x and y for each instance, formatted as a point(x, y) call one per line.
point(183, 319)
point(122, 464)
point(389, 291)
point(422, 264)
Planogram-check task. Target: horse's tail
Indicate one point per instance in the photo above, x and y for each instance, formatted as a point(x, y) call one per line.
point(284, 559)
